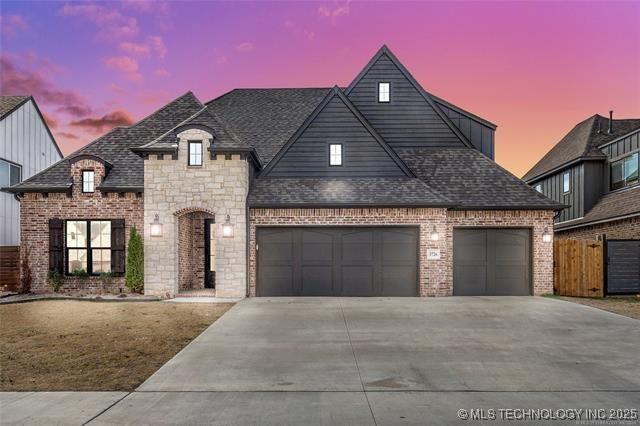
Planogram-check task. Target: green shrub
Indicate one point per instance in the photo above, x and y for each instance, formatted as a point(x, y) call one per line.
point(56, 279)
point(134, 276)
point(80, 273)
point(25, 278)
point(106, 277)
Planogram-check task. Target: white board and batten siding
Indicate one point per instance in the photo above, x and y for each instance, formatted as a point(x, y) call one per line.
point(24, 140)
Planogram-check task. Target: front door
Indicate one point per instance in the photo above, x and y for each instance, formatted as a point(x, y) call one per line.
point(209, 253)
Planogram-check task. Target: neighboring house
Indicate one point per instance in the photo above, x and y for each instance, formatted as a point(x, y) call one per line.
point(376, 189)
point(26, 147)
point(594, 170)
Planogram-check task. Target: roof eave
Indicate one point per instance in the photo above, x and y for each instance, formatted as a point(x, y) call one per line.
point(314, 205)
point(556, 169)
point(566, 226)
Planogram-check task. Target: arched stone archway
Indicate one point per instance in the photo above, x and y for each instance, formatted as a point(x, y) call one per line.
point(196, 241)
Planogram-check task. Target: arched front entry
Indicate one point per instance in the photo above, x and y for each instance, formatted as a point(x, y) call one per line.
point(196, 235)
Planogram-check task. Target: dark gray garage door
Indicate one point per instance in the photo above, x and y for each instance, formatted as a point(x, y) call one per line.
point(491, 262)
point(623, 266)
point(354, 261)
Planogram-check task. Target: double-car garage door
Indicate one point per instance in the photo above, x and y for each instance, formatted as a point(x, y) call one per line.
point(345, 261)
point(384, 261)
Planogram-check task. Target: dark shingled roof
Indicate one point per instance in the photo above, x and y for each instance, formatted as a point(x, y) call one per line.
point(224, 138)
point(613, 205)
point(275, 192)
point(9, 103)
point(472, 180)
point(581, 142)
point(266, 118)
point(114, 147)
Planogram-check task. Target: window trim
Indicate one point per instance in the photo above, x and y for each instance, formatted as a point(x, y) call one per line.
point(388, 93)
point(341, 155)
point(189, 144)
point(12, 163)
point(88, 247)
point(93, 184)
point(622, 160)
point(567, 173)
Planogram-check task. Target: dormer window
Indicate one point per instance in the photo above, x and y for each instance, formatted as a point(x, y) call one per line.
point(88, 181)
point(566, 182)
point(624, 172)
point(384, 91)
point(335, 154)
point(195, 153)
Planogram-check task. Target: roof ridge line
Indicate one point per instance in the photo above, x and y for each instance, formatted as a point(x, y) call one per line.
point(165, 106)
point(204, 108)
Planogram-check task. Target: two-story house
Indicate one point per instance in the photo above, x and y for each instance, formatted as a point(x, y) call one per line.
point(26, 148)
point(376, 189)
point(594, 170)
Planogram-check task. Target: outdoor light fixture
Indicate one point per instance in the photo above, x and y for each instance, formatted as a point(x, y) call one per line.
point(434, 234)
point(156, 227)
point(546, 235)
point(227, 228)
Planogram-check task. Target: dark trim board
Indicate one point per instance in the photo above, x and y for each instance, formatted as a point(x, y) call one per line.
point(344, 260)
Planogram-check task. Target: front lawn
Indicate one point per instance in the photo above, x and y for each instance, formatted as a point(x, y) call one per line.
point(100, 346)
point(624, 305)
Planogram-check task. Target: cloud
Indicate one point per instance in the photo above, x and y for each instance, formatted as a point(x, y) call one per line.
point(245, 47)
point(222, 60)
point(161, 72)
point(111, 24)
point(125, 65)
point(50, 120)
point(108, 121)
point(67, 135)
point(17, 80)
point(152, 44)
point(334, 12)
point(11, 25)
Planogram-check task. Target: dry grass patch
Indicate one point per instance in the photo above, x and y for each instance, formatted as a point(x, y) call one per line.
point(99, 346)
point(628, 306)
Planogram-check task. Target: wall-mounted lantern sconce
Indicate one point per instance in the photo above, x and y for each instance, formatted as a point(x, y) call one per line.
point(227, 228)
point(156, 227)
point(546, 236)
point(434, 234)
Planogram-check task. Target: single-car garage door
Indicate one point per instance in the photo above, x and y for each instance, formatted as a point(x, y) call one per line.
point(345, 261)
point(492, 262)
point(623, 266)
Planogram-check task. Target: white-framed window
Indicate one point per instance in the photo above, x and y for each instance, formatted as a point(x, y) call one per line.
point(624, 172)
point(566, 182)
point(88, 181)
point(384, 91)
point(10, 173)
point(335, 154)
point(538, 188)
point(195, 153)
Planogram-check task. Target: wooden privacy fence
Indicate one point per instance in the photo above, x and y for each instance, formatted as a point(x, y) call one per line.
point(9, 268)
point(578, 268)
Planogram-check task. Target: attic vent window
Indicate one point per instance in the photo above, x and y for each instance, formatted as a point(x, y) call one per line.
point(539, 188)
point(335, 154)
point(566, 182)
point(384, 90)
point(88, 182)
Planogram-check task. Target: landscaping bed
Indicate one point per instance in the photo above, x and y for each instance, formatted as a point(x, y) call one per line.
point(624, 305)
point(64, 345)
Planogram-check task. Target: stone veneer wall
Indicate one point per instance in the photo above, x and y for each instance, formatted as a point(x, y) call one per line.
point(172, 188)
point(624, 229)
point(37, 209)
point(435, 276)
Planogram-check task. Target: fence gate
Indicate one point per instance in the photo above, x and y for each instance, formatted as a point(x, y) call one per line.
point(9, 268)
point(578, 268)
point(623, 266)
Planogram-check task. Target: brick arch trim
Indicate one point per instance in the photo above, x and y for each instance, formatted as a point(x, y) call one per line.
point(188, 210)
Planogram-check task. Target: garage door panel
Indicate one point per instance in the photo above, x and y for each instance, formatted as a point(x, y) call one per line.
point(623, 266)
point(317, 247)
point(492, 261)
point(357, 247)
point(280, 279)
point(399, 247)
point(277, 246)
point(317, 281)
point(398, 280)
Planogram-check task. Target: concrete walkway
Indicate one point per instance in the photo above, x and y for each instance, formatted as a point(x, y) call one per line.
point(390, 361)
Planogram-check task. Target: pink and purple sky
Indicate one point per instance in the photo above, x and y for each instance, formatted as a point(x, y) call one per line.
point(535, 69)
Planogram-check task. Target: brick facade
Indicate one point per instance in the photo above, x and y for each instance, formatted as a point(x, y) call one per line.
point(624, 229)
point(435, 276)
point(37, 209)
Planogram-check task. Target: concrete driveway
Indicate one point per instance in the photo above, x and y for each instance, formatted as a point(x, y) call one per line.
point(389, 361)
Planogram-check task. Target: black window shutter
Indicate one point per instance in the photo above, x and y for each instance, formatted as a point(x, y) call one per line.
point(56, 245)
point(117, 246)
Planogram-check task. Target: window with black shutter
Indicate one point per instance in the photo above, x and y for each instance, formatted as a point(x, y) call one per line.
point(56, 240)
point(95, 246)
